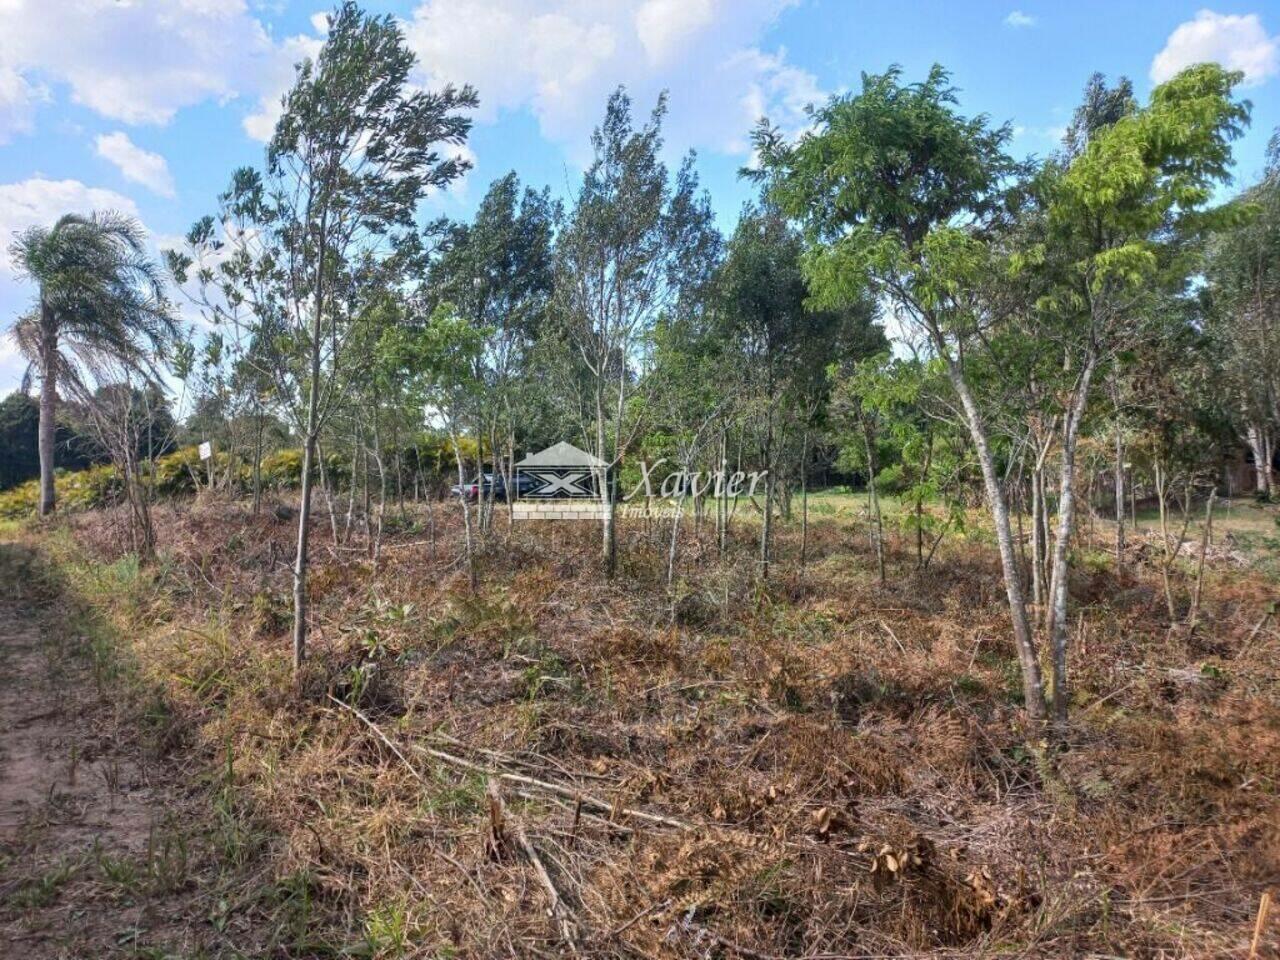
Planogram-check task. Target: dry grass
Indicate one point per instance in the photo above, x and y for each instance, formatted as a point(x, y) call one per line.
point(818, 767)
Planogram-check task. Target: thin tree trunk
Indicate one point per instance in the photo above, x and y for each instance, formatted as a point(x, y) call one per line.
point(304, 517)
point(766, 527)
point(1119, 478)
point(924, 478)
point(1037, 535)
point(672, 548)
point(608, 549)
point(48, 408)
point(395, 443)
point(1169, 554)
point(327, 489)
point(1032, 682)
point(722, 502)
point(257, 460)
point(376, 547)
point(351, 485)
point(1060, 578)
point(510, 478)
point(466, 517)
point(874, 498)
point(1205, 540)
point(1268, 455)
point(804, 500)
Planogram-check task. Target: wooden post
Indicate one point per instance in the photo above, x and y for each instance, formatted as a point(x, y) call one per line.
point(1260, 925)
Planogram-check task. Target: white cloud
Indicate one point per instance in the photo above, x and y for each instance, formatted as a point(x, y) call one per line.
point(135, 61)
point(1017, 19)
point(663, 26)
point(18, 99)
point(278, 78)
point(559, 59)
point(1238, 42)
point(1053, 133)
point(135, 164)
point(40, 202)
point(457, 188)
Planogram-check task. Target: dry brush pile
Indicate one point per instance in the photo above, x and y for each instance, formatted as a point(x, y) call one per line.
point(818, 767)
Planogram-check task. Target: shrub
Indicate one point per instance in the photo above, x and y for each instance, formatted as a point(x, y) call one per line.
point(80, 490)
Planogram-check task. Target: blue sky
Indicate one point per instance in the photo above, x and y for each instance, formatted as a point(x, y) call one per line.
point(147, 105)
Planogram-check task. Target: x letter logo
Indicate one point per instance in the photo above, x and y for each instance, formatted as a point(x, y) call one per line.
point(569, 484)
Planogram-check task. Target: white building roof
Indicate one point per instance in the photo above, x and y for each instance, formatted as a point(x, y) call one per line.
point(561, 455)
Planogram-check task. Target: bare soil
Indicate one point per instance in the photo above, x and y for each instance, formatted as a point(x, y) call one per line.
point(94, 860)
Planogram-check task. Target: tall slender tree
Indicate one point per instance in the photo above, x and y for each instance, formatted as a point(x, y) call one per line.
point(317, 238)
point(632, 244)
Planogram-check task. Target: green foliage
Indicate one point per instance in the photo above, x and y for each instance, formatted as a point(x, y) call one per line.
point(882, 170)
point(82, 490)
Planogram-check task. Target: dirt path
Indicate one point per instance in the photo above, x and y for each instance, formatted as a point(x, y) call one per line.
point(94, 857)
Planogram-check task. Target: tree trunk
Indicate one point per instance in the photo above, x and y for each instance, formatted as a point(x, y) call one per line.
point(1268, 455)
point(1170, 553)
point(675, 540)
point(509, 480)
point(327, 489)
point(472, 578)
point(766, 527)
point(722, 501)
point(1119, 469)
point(1037, 535)
point(1205, 540)
point(48, 408)
point(874, 498)
point(1058, 626)
point(1260, 446)
point(304, 521)
point(308, 456)
point(376, 548)
point(1032, 682)
point(804, 500)
point(1060, 577)
point(257, 460)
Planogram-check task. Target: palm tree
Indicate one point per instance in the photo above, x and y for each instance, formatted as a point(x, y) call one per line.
point(100, 299)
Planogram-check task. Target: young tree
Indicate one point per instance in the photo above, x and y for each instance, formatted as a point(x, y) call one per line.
point(99, 299)
point(128, 416)
point(781, 345)
point(632, 244)
point(762, 314)
point(1244, 319)
point(444, 358)
point(1118, 220)
point(496, 272)
point(332, 220)
point(896, 191)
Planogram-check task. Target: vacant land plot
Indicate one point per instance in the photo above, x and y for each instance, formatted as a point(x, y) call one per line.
point(821, 765)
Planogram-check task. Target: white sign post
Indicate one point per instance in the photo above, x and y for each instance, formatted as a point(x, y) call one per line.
point(206, 454)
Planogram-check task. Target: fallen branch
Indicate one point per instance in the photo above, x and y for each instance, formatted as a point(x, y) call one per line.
point(588, 801)
point(559, 912)
point(594, 803)
point(889, 630)
point(1266, 615)
point(377, 731)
